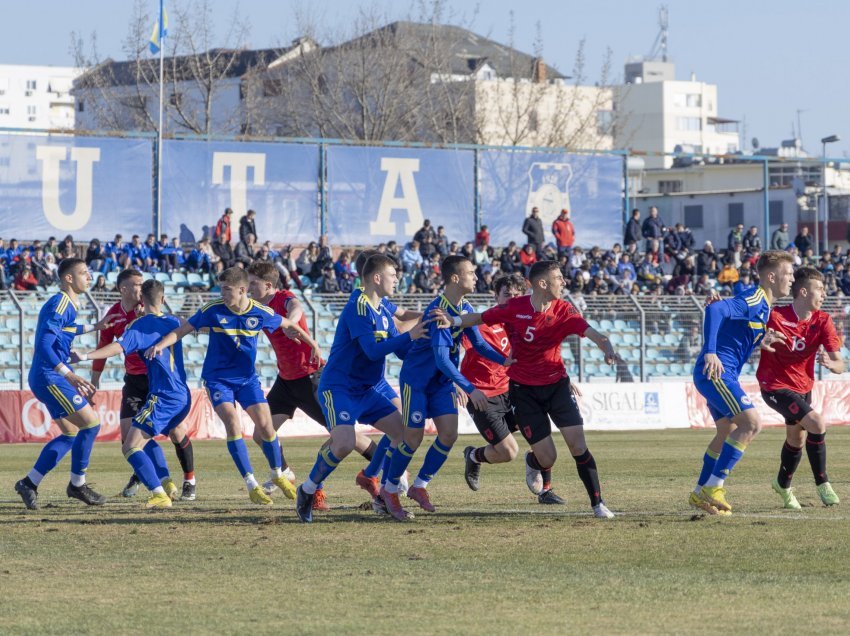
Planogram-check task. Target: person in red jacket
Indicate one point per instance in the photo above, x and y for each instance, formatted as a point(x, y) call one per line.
point(482, 237)
point(221, 239)
point(565, 233)
point(527, 257)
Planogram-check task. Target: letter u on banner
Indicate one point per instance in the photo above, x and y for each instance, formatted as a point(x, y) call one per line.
point(51, 158)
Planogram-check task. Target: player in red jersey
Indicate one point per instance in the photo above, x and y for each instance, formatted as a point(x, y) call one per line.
point(299, 360)
point(134, 393)
point(786, 377)
point(537, 324)
point(497, 421)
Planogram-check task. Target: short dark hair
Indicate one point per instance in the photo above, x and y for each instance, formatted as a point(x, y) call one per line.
point(360, 261)
point(451, 266)
point(802, 276)
point(265, 271)
point(511, 281)
point(152, 291)
point(375, 263)
point(67, 264)
point(540, 269)
point(126, 275)
point(234, 276)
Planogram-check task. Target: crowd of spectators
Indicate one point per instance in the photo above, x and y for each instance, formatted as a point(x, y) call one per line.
point(654, 258)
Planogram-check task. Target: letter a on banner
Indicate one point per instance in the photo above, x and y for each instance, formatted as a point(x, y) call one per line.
point(51, 158)
point(399, 171)
point(239, 162)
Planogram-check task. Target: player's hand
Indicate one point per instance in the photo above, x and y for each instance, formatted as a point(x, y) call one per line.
point(420, 329)
point(153, 351)
point(292, 333)
point(509, 360)
point(713, 368)
point(83, 386)
point(316, 356)
point(74, 357)
point(835, 366)
point(611, 356)
point(443, 320)
point(771, 337)
point(106, 322)
point(462, 397)
point(479, 400)
point(713, 297)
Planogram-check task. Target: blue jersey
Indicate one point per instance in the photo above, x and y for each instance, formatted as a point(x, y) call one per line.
point(166, 376)
point(732, 329)
point(420, 369)
point(233, 339)
point(54, 334)
point(356, 361)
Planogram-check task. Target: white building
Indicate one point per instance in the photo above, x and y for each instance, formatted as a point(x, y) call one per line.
point(37, 97)
point(658, 113)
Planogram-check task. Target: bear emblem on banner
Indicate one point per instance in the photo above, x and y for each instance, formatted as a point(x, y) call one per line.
point(549, 190)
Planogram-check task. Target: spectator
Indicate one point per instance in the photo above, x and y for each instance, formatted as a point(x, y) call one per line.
point(803, 241)
point(411, 258)
point(442, 242)
point(704, 286)
point(484, 284)
point(482, 237)
point(328, 283)
point(306, 259)
point(728, 276)
point(779, 239)
point(744, 284)
point(25, 280)
point(527, 258)
point(672, 245)
point(837, 254)
point(481, 258)
point(204, 259)
point(172, 256)
point(427, 249)
point(633, 229)
point(247, 225)
point(626, 265)
point(509, 259)
point(323, 259)
point(100, 285)
point(114, 254)
point(344, 272)
point(134, 254)
point(44, 269)
point(752, 240)
point(686, 238)
point(564, 232)
point(532, 227)
point(689, 346)
point(244, 254)
point(426, 230)
point(151, 253)
point(221, 239)
point(736, 237)
point(467, 250)
point(653, 227)
point(52, 248)
point(94, 256)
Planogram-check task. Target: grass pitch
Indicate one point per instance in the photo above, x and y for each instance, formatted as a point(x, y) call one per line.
point(494, 561)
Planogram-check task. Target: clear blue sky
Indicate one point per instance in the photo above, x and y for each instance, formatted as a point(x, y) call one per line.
point(768, 57)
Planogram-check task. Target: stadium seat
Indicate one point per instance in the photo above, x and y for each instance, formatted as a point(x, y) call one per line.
point(112, 277)
point(162, 277)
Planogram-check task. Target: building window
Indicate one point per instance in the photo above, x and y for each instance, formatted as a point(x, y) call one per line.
point(688, 123)
point(736, 214)
point(175, 99)
point(775, 212)
point(533, 121)
point(604, 122)
point(81, 107)
point(693, 216)
point(669, 187)
point(31, 110)
point(31, 85)
point(272, 88)
point(687, 100)
point(4, 110)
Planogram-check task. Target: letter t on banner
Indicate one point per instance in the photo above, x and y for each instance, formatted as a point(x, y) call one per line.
point(239, 162)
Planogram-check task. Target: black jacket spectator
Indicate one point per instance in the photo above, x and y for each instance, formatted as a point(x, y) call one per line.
point(804, 241)
point(653, 226)
point(633, 230)
point(247, 225)
point(532, 227)
point(751, 241)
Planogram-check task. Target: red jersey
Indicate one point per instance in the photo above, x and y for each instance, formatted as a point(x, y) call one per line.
point(792, 366)
point(487, 376)
point(536, 337)
point(293, 358)
point(133, 362)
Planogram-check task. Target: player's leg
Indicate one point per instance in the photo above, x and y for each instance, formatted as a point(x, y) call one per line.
point(815, 427)
point(133, 446)
point(50, 456)
point(179, 436)
point(492, 424)
point(586, 467)
point(88, 426)
point(134, 394)
point(442, 408)
point(261, 416)
point(414, 405)
point(281, 399)
point(529, 407)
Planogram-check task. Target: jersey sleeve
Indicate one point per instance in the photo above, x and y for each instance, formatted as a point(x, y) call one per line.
point(200, 320)
point(105, 336)
point(52, 327)
point(482, 346)
point(131, 340)
point(496, 315)
point(575, 323)
point(391, 306)
point(270, 321)
point(356, 323)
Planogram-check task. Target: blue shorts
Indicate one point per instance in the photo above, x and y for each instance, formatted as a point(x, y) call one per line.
point(247, 393)
point(341, 407)
point(384, 388)
point(725, 396)
point(418, 404)
point(57, 394)
point(160, 413)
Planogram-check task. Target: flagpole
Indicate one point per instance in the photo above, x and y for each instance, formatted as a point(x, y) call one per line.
point(159, 132)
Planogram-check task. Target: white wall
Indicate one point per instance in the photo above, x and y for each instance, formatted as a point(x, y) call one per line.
point(47, 104)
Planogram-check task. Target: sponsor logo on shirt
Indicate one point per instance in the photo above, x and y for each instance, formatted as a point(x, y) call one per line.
point(525, 316)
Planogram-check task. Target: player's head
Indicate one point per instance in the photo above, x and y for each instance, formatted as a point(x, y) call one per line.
point(776, 272)
point(74, 274)
point(508, 286)
point(153, 293)
point(808, 287)
point(130, 286)
point(234, 285)
point(459, 271)
point(380, 274)
point(263, 278)
point(546, 279)
point(361, 259)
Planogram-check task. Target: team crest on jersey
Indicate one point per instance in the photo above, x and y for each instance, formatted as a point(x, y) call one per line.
point(385, 322)
point(745, 399)
point(344, 416)
point(77, 400)
point(252, 322)
point(416, 417)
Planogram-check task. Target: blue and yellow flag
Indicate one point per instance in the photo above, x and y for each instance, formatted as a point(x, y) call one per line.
point(160, 30)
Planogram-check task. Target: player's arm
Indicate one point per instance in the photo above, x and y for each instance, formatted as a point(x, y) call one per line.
point(104, 338)
point(103, 323)
point(715, 315)
point(602, 341)
point(304, 337)
point(483, 347)
point(833, 361)
point(44, 348)
point(169, 339)
point(447, 368)
point(406, 315)
point(446, 321)
point(294, 310)
point(102, 353)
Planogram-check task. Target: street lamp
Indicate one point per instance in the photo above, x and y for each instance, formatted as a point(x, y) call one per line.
point(826, 140)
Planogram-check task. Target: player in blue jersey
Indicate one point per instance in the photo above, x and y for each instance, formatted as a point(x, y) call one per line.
point(234, 323)
point(168, 398)
point(732, 329)
point(352, 388)
point(61, 390)
point(428, 378)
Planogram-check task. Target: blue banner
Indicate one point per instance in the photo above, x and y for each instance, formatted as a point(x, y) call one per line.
point(381, 194)
point(589, 186)
point(278, 181)
point(86, 186)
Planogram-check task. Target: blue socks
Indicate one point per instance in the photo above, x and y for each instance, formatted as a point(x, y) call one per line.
point(398, 464)
point(271, 449)
point(81, 452)
point(51, 455)
point(434, 460)
point(143, 467)
point(326, 463)
point(377, 461)
point(157, 459)
point(708, 461)
point(731, 454)
point(239, 453)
